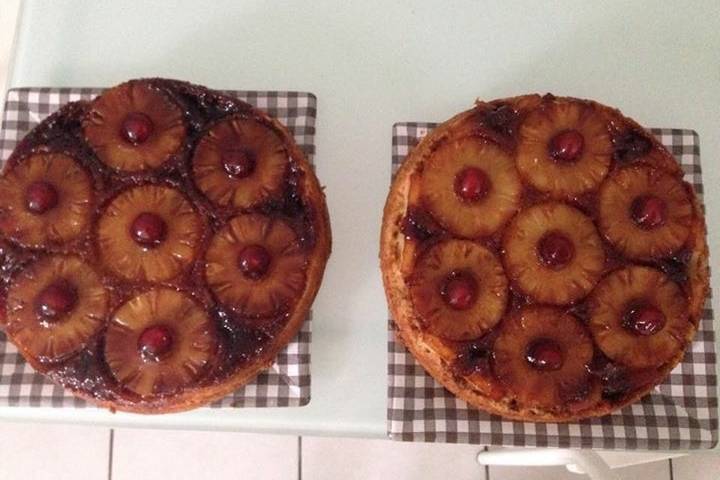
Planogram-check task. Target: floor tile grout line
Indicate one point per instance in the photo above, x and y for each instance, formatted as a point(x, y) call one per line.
point(487, 467)
point(299, 444)
point(670, 466)
point(110, 453)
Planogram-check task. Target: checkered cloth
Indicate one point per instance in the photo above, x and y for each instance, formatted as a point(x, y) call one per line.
point(286, 383)
point(680, 413)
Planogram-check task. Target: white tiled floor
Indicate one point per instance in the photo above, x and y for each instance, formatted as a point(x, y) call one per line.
point(64, 452)
point(656, 467)
point(354, 459)
point(704, 466)
point(53, 452)
point(163, 455)
point(525, 473)
point(655, 471)
point(350, 459)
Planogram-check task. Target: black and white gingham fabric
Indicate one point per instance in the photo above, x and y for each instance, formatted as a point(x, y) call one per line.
point(681, 413)
point(286, 383)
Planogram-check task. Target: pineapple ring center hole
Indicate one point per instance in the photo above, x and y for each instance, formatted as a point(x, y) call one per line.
point(472, 184)
point(136, 128)
point(566, 146)
point(238, 162)
point(55, 301)
point(649, 211)
point(40, 196)
point(555, 250)
point(544, 354)
point(254, 261)
point(155, 342)
point(459, 290)
point(643, 319)
point(148, 229)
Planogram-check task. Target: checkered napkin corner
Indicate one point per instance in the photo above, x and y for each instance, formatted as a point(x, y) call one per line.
point(286, 383)
point(26, 107)
point(681, 413)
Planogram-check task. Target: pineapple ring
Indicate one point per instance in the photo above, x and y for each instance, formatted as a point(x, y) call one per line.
point(557, 286)
point(283, 277)
point(107, 118)
point(616, 199)
point(431, 273)
point(188, 354)
point(560, 179)
point(47, 340)
point(610, 300)
point(476, 218)
point(69, 210)
point(126, 257)
point(239, 162)
point(536, 386)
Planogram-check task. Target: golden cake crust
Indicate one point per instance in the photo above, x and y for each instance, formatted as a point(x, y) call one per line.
point(309, 212)
point(397, 252)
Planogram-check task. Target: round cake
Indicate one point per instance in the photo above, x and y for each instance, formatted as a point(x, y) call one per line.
point(543, 258)
point(158, 245)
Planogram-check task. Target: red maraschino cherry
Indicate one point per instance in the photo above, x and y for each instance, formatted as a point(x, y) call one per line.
point(566, 146)
point(459, 290)
point(136, 128)
point(544, 354)
point(254, 261)
point(148, 229)
point(40, 197)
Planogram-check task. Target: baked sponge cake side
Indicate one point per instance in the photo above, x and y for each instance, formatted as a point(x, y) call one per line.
point(543, 258)
point(159, 245)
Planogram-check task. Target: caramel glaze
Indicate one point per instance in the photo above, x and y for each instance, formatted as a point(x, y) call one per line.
point(499, 122)
point(239, 339)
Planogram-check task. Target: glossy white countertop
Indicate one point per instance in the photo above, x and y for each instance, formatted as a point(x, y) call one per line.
point(371, 64)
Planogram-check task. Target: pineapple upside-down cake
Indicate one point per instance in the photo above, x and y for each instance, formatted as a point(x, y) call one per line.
point(158, 245)
point(543, 258)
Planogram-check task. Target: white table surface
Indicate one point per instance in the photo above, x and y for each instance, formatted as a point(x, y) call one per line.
point(371, 64)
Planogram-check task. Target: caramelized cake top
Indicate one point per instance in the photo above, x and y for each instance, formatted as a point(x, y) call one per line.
point(543, 257)
point(158, 245)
